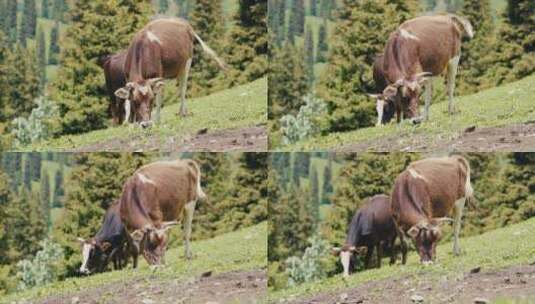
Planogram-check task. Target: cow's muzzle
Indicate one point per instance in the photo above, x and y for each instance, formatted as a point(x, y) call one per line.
point(145, 124)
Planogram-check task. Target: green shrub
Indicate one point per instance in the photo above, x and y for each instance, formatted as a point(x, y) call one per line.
point(38, 126)
point(307, 123)
point(310, 266)
point(43, 268)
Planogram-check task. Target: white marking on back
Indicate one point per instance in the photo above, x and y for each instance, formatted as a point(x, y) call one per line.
point(407, 35)
point(416, 174)
point(153, 38)
point(145, 179)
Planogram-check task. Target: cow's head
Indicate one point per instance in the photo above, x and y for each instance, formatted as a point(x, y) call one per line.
point(141, 95)
point(385, 105)
point(152, 242)
point(426, 235)
point(348, 255)
point(94, 255)
point(410, 89)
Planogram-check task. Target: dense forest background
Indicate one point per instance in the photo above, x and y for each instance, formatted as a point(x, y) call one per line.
point(314, 195)
point(62, 196)
point(323, 51)
point(51, 85)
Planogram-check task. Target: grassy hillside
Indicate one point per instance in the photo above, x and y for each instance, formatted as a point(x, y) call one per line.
point(243, 106)
point(494, 250)
point(237, 251)
point(505, 105)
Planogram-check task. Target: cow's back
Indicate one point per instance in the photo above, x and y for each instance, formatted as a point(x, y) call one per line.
point(445, 181)
point(438, 41)
point(383, 224)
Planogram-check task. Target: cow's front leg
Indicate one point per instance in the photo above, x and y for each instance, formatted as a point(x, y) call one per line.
point(159, 100)
point(189, 210)
point(459, 206)
point(428, 97)
point(183, 88)
point(452, 74)
point(127, 108)
point(379, 247)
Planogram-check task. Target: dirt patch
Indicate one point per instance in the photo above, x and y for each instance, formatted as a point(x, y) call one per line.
point(515, 282)
point(231, 287)
point(518, 137)
point(251, 139)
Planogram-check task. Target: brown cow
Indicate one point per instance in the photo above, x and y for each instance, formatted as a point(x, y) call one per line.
point(154, 199)
point(421, 48)
point(163, 49)
point(371, 226)
point(113, 66)
point(423, 195)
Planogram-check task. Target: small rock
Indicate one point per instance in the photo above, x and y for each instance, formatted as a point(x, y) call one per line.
point(206, 274)
point(470, 129)
point(75, 300)
point(147, 301)
point(507, 280)
point(344, 296)
point(417, 299)
point(202, 131)
point(475, 270)
point(481, 301)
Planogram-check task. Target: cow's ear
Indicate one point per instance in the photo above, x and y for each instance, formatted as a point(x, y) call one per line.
point(413, 232)
point(361, 250)
point(123, 93)
point(105, 246)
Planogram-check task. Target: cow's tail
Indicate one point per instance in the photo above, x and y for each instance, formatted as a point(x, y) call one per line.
point(222, 65)
point(195, 166)
point(465, 24)
point(468, 190)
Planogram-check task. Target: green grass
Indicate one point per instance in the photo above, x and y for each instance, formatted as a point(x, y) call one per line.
point(243, 106)
point(494, 250)
point(236, 251)
point(505, 105)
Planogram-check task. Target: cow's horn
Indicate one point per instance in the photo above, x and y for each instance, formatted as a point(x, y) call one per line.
point(423, 74)
point(441, 220)
point(169, 224)
point(154, 80)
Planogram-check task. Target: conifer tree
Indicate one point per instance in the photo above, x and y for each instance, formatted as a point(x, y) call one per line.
point(246, 47)
point(515, 59)
point(11, 22)
point(59, 9)
point(29, 20)
point(58, 188)
point(314, 194)
point(326, 8)
point(247, 204)
point(327, 188)
point(45, 9)
point(360, 33)
point(287, 82)
point(79, 89)
point(297, 18)
point(163, 6)
point(309, 55)
point(41, 56)
point(281, 15)
point(53, 50)
point(45, 198)
point(322, 47)
point(313, 7)
point(207, 20)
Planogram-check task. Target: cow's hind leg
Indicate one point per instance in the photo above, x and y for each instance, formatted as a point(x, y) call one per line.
point(189, 210)
point(428, 97)
point(379, 248)
point(159, 100)
point(183, 88)
point(452, 73)
point(459, 206)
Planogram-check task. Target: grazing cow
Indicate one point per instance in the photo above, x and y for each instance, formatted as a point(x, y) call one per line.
point(108, 244)
point(113, 66)
point(423, 195)
point(154, 199)
point(163, 49)
point(420, 48)
point(371, 226)
point(385, 107)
